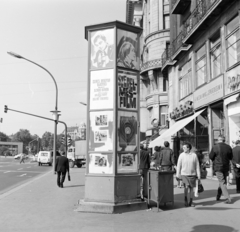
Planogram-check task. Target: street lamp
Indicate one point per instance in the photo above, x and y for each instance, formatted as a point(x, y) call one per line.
point(56, 103)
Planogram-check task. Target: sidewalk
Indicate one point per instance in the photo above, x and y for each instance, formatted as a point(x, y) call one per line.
point(41, 206)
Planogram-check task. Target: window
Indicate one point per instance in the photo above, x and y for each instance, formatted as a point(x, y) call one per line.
point(163, 115)
point(166, 17)
point(185, 80)
point(215, 55)
point(233, 42)
point(201, 66)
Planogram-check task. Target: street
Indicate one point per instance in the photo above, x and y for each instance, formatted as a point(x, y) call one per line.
point(13, 174)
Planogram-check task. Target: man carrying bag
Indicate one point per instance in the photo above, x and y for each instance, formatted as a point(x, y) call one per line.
point(61, 168)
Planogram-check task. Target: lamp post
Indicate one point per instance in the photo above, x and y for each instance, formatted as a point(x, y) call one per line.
point(55, 112)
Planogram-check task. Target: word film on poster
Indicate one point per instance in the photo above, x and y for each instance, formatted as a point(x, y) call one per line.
point(127, 90)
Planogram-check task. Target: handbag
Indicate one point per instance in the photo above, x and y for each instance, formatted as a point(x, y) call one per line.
point(200, 187)
point(69, 177)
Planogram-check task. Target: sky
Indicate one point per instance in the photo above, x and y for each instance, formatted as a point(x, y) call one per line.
point(50, 33)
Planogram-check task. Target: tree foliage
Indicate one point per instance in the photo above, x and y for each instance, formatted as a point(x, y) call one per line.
point(4, 137)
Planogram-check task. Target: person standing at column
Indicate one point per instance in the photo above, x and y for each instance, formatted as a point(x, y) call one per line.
point(221, 154)
point(61, 168)
point(166, 158)
point(144, 165)
point(236, 164)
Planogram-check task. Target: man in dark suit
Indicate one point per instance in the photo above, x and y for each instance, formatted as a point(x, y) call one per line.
point(61, 167)
point(221, 154)
point(166, 158)
point(144, 165)
point(236, 164)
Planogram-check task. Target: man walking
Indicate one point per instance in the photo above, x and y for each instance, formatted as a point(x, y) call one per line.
point(61, 167)
point(221, 154)
point(144, 165)
point(22, 158)
point(236, 164)
point(166, 158)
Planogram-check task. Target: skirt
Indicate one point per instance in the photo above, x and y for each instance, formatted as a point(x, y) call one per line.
point(189, 181)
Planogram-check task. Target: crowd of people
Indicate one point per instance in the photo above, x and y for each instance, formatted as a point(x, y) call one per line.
point(188, 167)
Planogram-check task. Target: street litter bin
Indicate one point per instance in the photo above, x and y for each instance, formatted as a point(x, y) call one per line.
point(160, 187)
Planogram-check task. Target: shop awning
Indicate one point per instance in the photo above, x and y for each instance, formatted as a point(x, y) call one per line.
point(173, 129)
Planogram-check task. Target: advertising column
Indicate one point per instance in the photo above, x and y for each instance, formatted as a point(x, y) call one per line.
point(112, 181)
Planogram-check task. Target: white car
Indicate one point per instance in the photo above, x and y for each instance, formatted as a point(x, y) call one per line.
point(18, 156)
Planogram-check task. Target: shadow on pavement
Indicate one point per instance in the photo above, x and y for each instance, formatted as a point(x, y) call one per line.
point(72, 186)
point(211, 228)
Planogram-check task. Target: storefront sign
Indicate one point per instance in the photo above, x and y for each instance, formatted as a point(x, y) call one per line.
point(233, 81)
point(208, 93)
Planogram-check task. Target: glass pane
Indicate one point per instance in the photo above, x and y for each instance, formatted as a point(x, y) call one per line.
point(232, 55)
point(201, 63)
point(201, 76)
point(166, 22)
point(232, 25)
point(200, 52)
point(166, 8)
point(232, 39)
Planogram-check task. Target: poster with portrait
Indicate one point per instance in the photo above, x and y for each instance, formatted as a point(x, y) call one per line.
point(102, 49)
point(127, 131)
point(127, 90)
point(101, 131)
point(127, 49)
point(101, 89)
point(101, 163)
point(127, 163)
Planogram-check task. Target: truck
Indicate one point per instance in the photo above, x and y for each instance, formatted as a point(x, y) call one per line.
point(77, 154)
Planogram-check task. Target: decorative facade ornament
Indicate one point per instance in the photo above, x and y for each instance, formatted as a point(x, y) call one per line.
point(152, 80)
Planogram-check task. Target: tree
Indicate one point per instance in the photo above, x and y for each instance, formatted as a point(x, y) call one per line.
point(47, 141)
point(4, 137)
point(23, 136)
point(3, 150)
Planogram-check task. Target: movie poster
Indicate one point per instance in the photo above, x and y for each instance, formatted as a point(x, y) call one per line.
point(101, 163)
point(101, 89)
point(127, 131)
point(127, 162)
point(127, 90)
point(127, 49)
point(101, 131)
point(102, 49)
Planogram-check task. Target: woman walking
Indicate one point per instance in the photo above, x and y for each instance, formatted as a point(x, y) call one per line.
point(189, 170)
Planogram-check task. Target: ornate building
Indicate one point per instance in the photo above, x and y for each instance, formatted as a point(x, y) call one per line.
point(153, 17)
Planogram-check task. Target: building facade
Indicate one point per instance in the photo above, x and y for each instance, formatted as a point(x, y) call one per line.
point(202, 65)
point(153, 17)
point(13, 148)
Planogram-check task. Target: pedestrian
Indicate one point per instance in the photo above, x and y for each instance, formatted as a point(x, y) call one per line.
point(22, 158)
point(221, 154)
point(166, 158)
point(155, 157)
point(189, 170)
point(236, 164)
point(144, 165)
point(61, 168)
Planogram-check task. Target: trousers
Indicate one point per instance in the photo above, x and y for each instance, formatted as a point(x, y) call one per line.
point(222, 179)
point(60, 178)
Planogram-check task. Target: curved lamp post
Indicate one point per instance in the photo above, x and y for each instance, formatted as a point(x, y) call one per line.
point(54, 112)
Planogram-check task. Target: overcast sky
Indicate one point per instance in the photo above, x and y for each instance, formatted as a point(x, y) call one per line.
point(51, 33)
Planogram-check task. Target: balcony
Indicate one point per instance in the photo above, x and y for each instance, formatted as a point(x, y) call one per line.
point(205, 12)
point(179, 6)
point(152, 64)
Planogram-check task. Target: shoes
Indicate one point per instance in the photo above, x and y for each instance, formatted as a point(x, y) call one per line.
point(191, 204)
point(228, 201)
point(238, 191)
point(218, 197)
point(61, 185)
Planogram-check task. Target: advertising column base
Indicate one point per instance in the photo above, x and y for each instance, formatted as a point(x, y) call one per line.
point(112, 194)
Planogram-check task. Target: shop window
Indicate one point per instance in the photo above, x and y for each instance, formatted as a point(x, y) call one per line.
point(215, 55)
point(201, 66)
point(185, 80)
point(233, 42)
point(202, 135)
point(163, 115)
